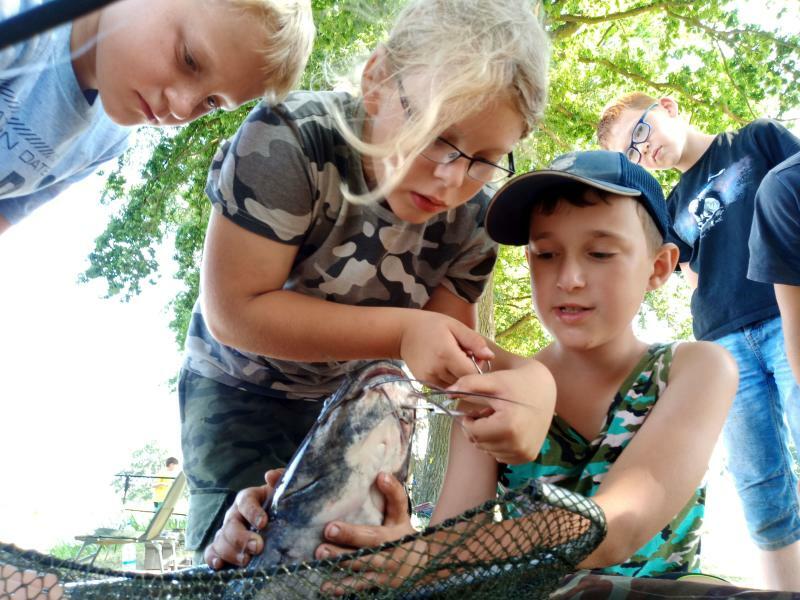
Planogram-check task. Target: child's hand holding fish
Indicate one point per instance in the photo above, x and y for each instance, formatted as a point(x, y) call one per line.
point(235, 543)
point(390, 567)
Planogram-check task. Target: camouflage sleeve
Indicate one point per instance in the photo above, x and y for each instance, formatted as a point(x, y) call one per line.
point(261, 179)
point(469, 272)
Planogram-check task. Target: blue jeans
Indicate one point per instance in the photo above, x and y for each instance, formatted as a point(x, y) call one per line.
point(757, 435)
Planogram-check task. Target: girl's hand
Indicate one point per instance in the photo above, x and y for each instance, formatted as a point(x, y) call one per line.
point(436, 348)
point(388, 568)
point(234, 543)
point(511, 432)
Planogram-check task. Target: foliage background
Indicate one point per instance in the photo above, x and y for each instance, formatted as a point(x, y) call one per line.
point(723, 71)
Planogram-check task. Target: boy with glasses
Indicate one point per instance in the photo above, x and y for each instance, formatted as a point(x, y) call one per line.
point(712, 212)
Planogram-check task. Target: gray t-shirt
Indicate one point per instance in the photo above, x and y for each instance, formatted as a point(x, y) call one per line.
point(50, 135)
point(280, 177)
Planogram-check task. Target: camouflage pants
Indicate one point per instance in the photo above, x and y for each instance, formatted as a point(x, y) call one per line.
point(230, 438)
point(585, 585)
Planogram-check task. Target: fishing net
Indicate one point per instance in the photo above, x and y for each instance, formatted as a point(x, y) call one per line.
point(520, 543)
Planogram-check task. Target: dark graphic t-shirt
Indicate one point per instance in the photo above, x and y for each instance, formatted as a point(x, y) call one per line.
point(712, 212)
point(775, 237)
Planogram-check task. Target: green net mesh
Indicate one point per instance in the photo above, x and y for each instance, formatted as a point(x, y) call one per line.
point(484, 553)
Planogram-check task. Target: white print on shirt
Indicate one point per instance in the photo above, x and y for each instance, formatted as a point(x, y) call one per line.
point(709, 206)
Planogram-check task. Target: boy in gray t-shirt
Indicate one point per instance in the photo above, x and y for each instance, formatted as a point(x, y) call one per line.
point(68, 96)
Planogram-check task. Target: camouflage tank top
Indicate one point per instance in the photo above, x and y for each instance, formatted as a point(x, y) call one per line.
point(569, 460)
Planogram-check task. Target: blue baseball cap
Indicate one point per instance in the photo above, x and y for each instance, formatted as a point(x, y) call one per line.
point(509, 214)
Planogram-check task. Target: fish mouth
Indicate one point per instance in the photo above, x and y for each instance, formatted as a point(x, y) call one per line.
point(382, 372)
point(370, 377)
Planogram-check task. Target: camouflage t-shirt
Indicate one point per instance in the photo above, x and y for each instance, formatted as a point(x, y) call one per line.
point(569, 460)
point(281, 177)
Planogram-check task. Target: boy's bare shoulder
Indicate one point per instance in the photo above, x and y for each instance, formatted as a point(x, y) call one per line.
point(702, 359)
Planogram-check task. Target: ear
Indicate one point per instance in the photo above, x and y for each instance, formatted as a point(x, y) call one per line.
point(373, 78)
point(664, 263)
point(669, 104)
point(530, 268)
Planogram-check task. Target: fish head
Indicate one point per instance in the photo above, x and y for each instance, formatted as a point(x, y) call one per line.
point(366, 427)
point(373, 411)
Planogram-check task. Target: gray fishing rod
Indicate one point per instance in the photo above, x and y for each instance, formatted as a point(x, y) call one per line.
point(44, 17)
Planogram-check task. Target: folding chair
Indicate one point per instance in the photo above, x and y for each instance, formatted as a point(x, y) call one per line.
point(153, 533)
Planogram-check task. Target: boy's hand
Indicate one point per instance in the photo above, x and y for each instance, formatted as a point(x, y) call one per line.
point(390, 567)
point(234, 543)
point(512, 432)
point(436, 348)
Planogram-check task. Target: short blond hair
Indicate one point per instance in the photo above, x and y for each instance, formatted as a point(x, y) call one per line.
point(472, 53)
point(613, 111)
point(288, 39)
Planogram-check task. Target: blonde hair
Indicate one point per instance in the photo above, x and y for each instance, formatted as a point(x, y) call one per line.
point(471, 53)
point(613, 111)
point(287, 42)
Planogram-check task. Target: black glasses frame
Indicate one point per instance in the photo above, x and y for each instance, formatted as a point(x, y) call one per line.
point(510, 171)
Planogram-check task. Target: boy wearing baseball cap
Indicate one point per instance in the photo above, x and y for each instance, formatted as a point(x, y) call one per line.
point(634, 424)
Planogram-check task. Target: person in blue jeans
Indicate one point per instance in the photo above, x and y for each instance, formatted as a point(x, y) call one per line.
point(712, 212)
point(775, 248)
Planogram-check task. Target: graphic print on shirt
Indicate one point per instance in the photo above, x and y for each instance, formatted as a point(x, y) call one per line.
point(708, 208)
point(19, 146)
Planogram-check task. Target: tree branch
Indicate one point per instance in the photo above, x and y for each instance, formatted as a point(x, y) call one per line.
point(733, 83)
point(554, 137)
point(730, 35)
point(514, 326)
point(573, 22)
point(664, 87)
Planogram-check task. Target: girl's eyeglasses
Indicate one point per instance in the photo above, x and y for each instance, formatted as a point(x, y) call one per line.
point(443, 152)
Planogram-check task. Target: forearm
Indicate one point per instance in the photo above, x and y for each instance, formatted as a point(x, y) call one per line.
point(293, 326)
point(470, 479)
point(662, 465)
point(629, 526)
point(508, 360)
point(246, 306)
point(4, 224)
point(481, 540)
